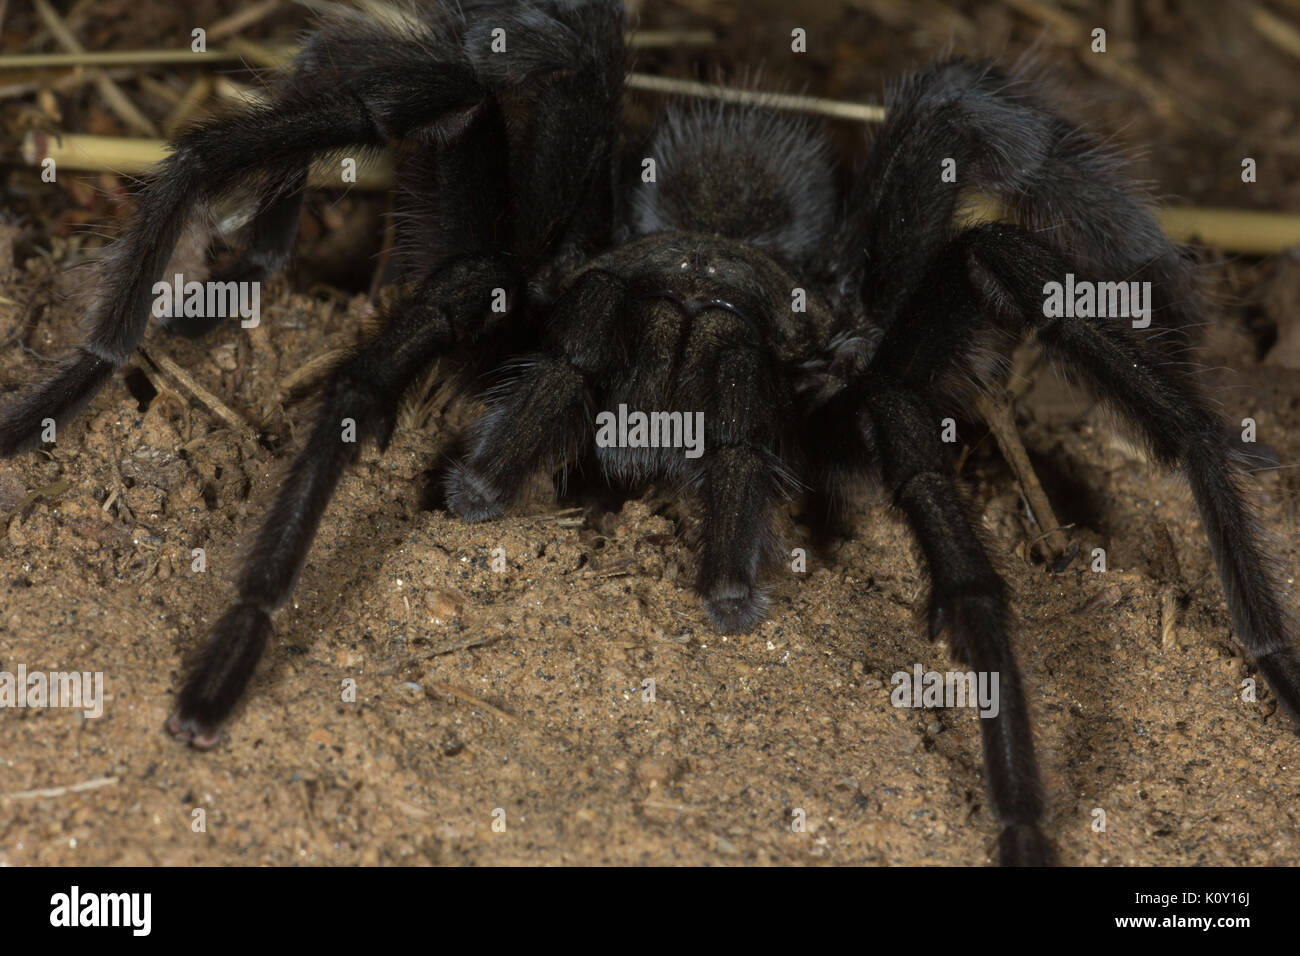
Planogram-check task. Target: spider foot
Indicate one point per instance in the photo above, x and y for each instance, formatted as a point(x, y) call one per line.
point(1281, 669)
point(218, 679)
point(735, 608)
point(192, 732)
point(1023, 844)
point(471, 495)
point(24, 416)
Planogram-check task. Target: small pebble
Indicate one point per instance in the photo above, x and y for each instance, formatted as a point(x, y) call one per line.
point(654, 770)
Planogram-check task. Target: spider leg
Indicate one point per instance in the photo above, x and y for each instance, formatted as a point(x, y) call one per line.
point(943, 336)
point(404, 91)
point(723, 374)
point(1163, 402)
point(957, 126)
point(271, 234)
point(968, 599)
point(542, 414)
point(706, 364)
point(738, 493)
point(267, 250)
point(504, 198)
point(741, 472)
point(364, 392)
point(892, 407)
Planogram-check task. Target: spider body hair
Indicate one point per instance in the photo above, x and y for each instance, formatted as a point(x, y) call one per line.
point(743, 173)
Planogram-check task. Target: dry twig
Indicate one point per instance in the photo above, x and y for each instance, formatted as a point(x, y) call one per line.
point(1275, 30)
point(112, 93)
point(60, 791)
point(998, 412)
point(196, 391)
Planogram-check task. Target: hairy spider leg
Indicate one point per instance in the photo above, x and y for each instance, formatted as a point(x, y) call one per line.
point(269, 240)
point(956, 127)
point(407, 90)
point(503, 199)
point(365, 390)
point(544, 415)
point(968, 600)
point(727, 373)
point(1179, 425)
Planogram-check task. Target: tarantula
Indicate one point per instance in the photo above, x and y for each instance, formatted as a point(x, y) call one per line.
point(822, 335)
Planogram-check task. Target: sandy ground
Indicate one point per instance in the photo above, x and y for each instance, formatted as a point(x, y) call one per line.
point(519, 695)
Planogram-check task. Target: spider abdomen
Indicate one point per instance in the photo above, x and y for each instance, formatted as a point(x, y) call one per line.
point(741, 173)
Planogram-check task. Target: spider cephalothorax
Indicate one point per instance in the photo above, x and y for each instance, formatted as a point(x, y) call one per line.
point(814, 337)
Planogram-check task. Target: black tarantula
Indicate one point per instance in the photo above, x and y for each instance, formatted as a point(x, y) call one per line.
point(823, 337)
